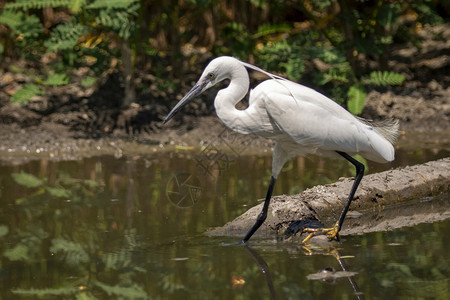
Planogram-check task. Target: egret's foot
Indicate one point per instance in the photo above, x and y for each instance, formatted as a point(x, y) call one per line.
point(331, 233)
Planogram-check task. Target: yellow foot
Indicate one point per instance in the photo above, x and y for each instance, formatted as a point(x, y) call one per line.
point(331, 233)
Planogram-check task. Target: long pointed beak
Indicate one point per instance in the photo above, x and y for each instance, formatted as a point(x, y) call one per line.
point(194, 92)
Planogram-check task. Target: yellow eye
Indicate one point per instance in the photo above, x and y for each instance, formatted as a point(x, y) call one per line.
point(211, 76)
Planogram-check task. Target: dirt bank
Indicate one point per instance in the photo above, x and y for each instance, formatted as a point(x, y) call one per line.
point(384, 201)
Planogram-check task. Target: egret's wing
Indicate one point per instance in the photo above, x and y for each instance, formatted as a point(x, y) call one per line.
point(297, 91)
point(319, 124)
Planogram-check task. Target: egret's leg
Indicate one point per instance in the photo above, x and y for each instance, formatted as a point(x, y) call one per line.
point(359, 175)
point(332, 232)
point(263, 215)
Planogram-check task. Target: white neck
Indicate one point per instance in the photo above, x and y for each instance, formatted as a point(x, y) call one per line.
point(226, 99)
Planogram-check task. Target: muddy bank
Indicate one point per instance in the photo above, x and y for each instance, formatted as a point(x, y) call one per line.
point(384, 201)
point(54, 142)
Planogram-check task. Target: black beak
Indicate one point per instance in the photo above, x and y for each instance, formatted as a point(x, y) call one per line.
point(194, 92)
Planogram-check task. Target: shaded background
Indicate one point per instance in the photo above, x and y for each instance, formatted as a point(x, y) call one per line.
point(101, 67)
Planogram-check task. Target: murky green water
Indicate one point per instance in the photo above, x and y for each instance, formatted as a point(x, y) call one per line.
point(132, 228)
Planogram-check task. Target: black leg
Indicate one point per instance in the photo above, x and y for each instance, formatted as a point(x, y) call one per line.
point(263, 215)
point(333, 232)
point(359, 175)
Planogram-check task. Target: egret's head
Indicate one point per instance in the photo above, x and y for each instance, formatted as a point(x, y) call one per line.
point(216, 71)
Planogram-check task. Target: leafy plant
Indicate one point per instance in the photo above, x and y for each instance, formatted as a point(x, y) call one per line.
point(27, 92)
point(88, 81)
point(71, 38)
point(64, 37)
point(116, 15)
point(384, 78)
point(356, 99)
point(25, 27)
point(357, 95)
point(326, 44)
point(57, 79)
point(36, 4)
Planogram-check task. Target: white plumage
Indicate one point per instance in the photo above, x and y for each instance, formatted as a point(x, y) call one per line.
point(301, 121)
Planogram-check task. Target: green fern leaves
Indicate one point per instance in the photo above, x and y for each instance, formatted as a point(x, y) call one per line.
point(118, 21)
point(26, 93)
point(21, 25)
point(64, 36)
point(37, 4)
point(384, 78)
point(70, 37)
point(356, 96)
point(30, 90)
point(113, 4)
point(117, 15)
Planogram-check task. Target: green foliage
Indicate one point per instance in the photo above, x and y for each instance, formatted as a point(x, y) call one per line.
point(21, 25)
point(356, 94)
point(27, 180)
point(282, 57)
point(426, 13)
point(64, 37)
point(357, 98)
point(266, 30)
point(58, 192)
point(117, 21)
point(132, 291)
point(27, 92)
point(24, 245)
point(88, 81)
point(238, 40)
point(73, 253)
point(71, 38)
point(57, 79)
point(384, 78)
point(19, 252)
point(36, 4)
point(77, 5)
point(117, 15)
point(113, 4)
point(324, 43)
point(295, 66)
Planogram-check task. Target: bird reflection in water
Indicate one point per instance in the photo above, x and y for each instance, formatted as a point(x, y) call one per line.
point(328, 274)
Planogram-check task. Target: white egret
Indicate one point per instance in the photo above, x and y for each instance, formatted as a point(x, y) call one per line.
point(299, 119)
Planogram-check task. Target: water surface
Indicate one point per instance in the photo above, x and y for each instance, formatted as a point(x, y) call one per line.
point(133, 228)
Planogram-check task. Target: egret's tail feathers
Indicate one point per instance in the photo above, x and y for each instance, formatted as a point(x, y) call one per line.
point(388, 128)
